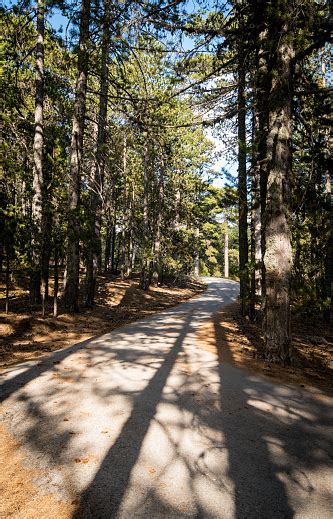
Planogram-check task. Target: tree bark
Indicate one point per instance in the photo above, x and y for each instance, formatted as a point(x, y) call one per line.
point(71, 288)
point(328, 276)
point(124, 247)
point(94, 246)
point(262, 87)
point(145, 267)
point(262, 92)
point(56, 282)
point(7, 276)
point(37, 198)
point(242, 191)
point(197, 258)
point(278, 252)
point(158, 232)
point(131, 246)
point(226, 254)
point(113, 249)
point(256, 256)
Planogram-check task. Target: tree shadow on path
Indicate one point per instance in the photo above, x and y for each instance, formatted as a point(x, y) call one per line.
point(271, 440)
point(104, 496)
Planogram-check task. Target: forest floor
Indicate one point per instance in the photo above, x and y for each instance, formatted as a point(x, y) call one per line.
point(312, 342)
point(26, 335)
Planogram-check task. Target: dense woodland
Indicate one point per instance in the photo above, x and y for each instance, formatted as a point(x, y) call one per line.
point(107, 156)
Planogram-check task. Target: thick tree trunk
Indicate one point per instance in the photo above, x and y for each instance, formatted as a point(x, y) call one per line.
point(263, 88)
point(94, 246)
point(71, 289)
point(278, 252)
point(259, 168)
point(256, 256)
point(37, 198)
point(242, 192)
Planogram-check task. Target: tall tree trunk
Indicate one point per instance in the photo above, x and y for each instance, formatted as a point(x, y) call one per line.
point(56, 281)
point(113, 248)
point(328, 276)
point(107, 249)
point(124, 248)
point(71, 289)
point(197, 257)
point(259, 164)
point(94, 245)
point(256, 256)
point(131, 250)
point(242, 191)
point(117, 256)
point(133, 256)
point(145, 274)
point(226, 254)
point(158, 232)
point(46, 253)
point(37, 199)
point(7, 275)
point(278, 252)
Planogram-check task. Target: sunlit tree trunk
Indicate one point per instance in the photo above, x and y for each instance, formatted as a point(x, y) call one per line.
point(94, 248)
point(158, 231)
point(131, 246)
point(259, 167)
point(7, 275)
point(37, 198)
point(226, 254)
point(328, 277)
point(242, 191)
point(256, 255)
point(56, 281)
point(197, 257)
point(278, 252)
point(71, 288)
point(125, 216)
point(145, 274)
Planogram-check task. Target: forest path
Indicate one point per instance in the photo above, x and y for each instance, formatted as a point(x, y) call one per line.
point(144, 423)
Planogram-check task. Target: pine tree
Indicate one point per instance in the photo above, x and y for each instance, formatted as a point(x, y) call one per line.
point(71, 288)
point(38, 205)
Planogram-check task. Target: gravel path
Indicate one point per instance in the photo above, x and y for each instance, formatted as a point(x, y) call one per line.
point(143, 423)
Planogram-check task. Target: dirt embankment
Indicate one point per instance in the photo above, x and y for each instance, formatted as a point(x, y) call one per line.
point(25, 334)
point(240, 342)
